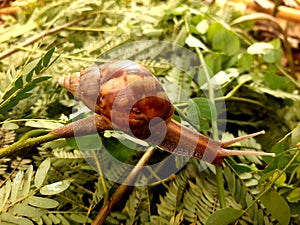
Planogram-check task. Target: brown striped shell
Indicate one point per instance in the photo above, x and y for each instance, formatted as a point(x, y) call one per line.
point(125, 93)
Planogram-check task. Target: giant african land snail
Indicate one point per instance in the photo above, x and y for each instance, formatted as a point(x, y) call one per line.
point(126, 96)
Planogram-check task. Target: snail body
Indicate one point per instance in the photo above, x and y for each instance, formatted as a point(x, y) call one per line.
point(127, 97)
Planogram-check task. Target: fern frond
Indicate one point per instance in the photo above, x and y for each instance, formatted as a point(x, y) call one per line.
point(242, 192)
point(172, 203)
point(137, 207)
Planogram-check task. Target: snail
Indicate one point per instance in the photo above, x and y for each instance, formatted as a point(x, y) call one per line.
point(126, 96)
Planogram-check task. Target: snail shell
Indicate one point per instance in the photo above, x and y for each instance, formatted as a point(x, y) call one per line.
point(125, 93)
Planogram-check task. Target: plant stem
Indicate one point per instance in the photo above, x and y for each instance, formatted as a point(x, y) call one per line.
point(38, 37)
point(214, 125)
point(123, 188)
point(25, 143)
point(272, 182)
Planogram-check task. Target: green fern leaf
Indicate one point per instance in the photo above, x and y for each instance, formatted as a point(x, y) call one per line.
point(18, 88)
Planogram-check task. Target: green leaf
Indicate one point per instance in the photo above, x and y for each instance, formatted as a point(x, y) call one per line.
point(176, 220)
point(16, 185)
point(19, 82)
point(80, 218)
point(276, 206)
point(41, 79)
point(202, 26)
point(206, 108)
point(37, 68)
point(10, 126)
point(54, 219)
point(223, 39)
point(224, 216)
point(277, 93)
point(5, 193)
point(9, 93)
point(41, 173)
point(192, 41)
point(294, 196)
point(260, 48)
point(29, 68)
point(44, 203)
point(245, 61)
point(55, 188)
point(62, 219)
point(88, 142)
point(44, 124)
point(27, 180)
point(29, 76)
point(47, 57)
point(28, 211)
point(9, 217)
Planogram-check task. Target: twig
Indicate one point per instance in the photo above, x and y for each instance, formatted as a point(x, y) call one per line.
point(38, 37)
point(24, 144)
point(282, 11)
point(122, 189)
point(8, 10)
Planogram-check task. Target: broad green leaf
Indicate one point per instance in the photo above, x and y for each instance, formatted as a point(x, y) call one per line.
point(88, 142)
point(27, 180)
point(47, 57)
point(29, 68)
point(275, 82)
point(295, 136)
point(223, 39)
point(37, 69)
point(260, 48)
point(19, 82)
point(55, 188)
point(46, 219)
point(41, 79)
point(41, 173)
point(29, 76)
point(224, 216)
point(270, 57)
point(10, 126)
point(8, 105)
point(9, 92)
point(41, 202)
point(5, 193)
point(192, 41)
point(19, 97)
point(221, 78)
point(43, 124)
point(242, 168)
point(294, 196)
point(245, 61)
point(16, 184)
point(54, 219)
point(13, 219)
point(80, 218)
point(202, 27)
point(62, 219)
point(214, 62)
point(33, 84)
point(28, 211)
point(206, 108)
point(276, 93)
point(252, 17)
point(276, 206)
